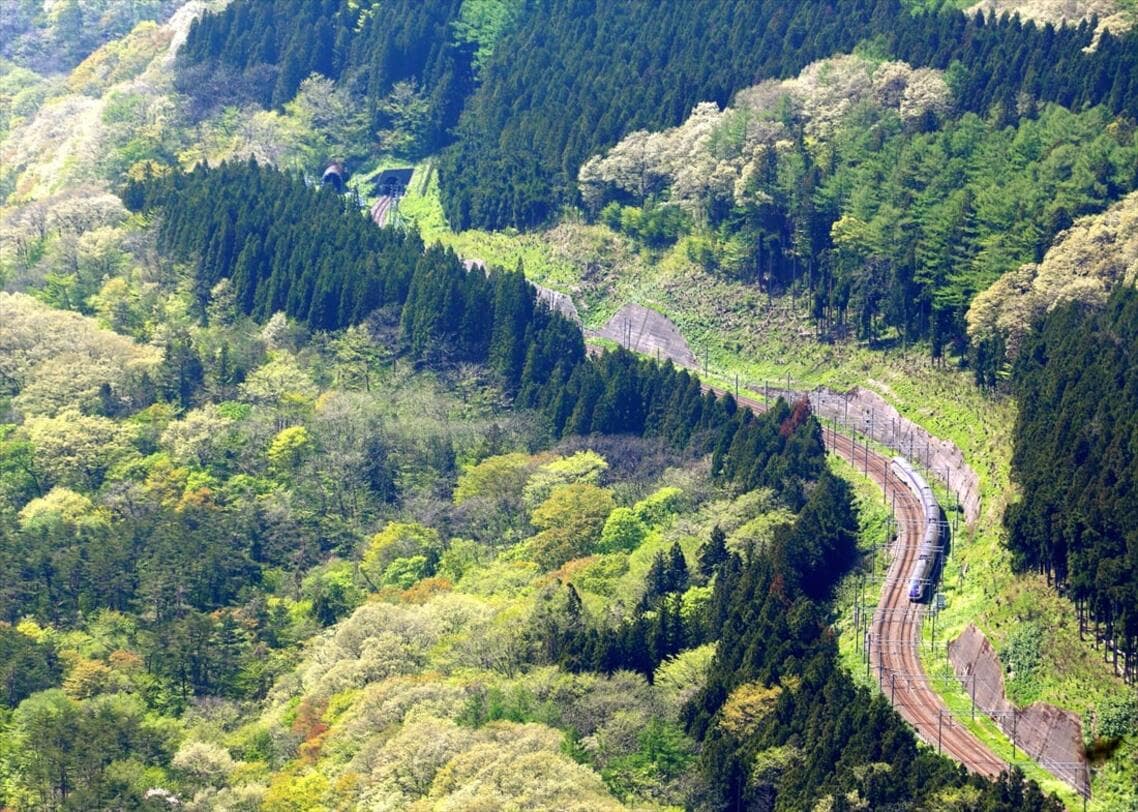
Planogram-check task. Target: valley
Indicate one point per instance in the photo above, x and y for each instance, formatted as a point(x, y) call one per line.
point(310, 500)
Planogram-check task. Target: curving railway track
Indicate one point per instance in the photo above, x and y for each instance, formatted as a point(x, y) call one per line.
point(895, 634)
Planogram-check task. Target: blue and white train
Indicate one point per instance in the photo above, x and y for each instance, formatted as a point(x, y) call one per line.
point(928, 554)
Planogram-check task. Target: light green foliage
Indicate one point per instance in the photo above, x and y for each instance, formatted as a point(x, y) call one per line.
point(732, 514)
point(656, 509)
point(327, 121)
point(663, 753)
point(289, 448)
point(204, 762)
point(519, 765)
point(61, 508)
point(501, 577)
point(623, 531)
point(280, 384)
point(678, 679)
point(584, 466)
point(53, 360)
point(357, 358)
point(499, 479)
point(483, 23)
point(405, 571)
point(694, 602)
point(570, 521)
point(296, 792)
point(760, 530)
point(76, 450)
point(461, 556)
point(399, 540)
point(406, 109)
point(200, 437)
point(21, 92)
point(602, 576)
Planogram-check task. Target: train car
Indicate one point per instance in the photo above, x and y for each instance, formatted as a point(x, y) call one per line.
point(928, 551)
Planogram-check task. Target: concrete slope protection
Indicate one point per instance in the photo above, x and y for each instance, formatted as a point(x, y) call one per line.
point(643, 330)
point(1050, 735)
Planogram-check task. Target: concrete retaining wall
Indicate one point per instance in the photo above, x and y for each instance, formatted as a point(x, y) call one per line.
point(645, 331)
point(867, 413)
point(1051, 736)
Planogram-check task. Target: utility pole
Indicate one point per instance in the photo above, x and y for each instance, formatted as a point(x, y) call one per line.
point(939, 723)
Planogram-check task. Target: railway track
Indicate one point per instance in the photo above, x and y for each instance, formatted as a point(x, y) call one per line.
point(895, 636)
point(381, 210)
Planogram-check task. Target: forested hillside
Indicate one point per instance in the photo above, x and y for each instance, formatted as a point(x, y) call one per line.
point(178, 531)
point(53, 38)
point(410, 65)
point(559, 92)
point(854, 181)
point(1077, 380)
point(298, 512)
point(517, 150)
point(907, 260)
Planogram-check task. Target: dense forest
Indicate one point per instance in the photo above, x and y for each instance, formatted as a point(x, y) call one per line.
point(852, 182)
point(402, 60)
point(254, 227)
point(180, 560)
point(301, 513)
point(1077, 380)
point(517, 150)
point(54, 37)
point(904, 260)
